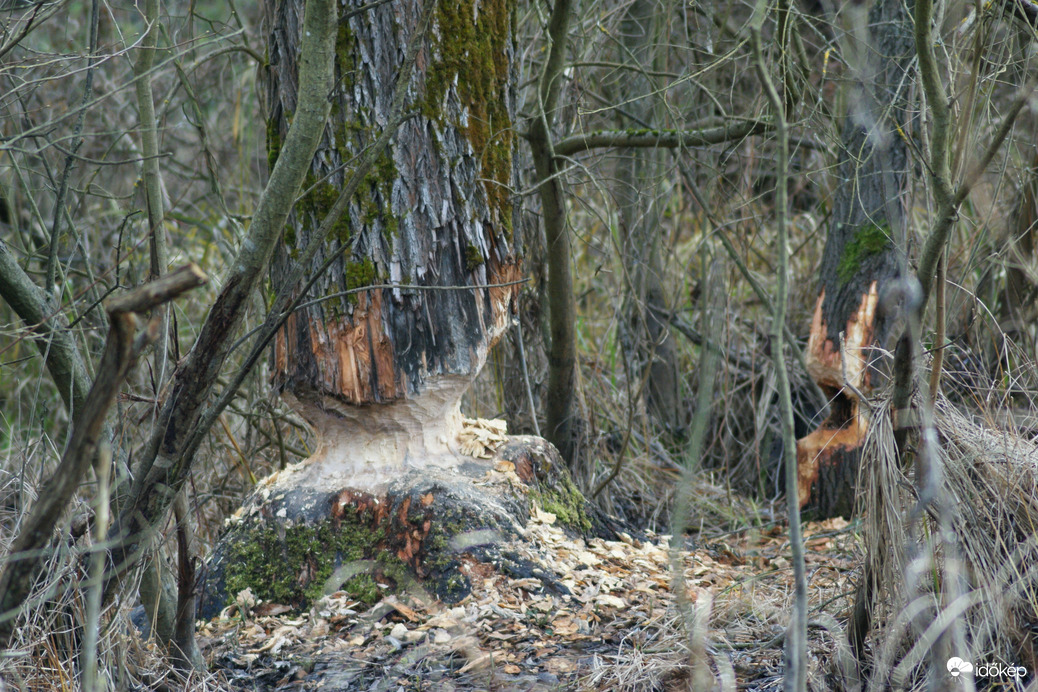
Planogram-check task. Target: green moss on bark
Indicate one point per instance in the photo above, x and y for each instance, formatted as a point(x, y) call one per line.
point(273, 143)
point(867, 241)
point(564, 501)
point(290, 564)
point(473, 257)
point(358, 275)
point(473, 56)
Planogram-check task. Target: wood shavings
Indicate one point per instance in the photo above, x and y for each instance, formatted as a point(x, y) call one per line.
point(512, 629)
point(480, 437)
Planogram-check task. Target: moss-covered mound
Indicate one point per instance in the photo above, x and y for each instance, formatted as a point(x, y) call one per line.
point(428, 530)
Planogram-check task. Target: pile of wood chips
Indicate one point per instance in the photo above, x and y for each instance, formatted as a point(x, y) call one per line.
point(618, 627)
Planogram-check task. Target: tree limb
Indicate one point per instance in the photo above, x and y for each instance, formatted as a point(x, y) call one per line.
point(27, 554)
point(63, 360)
point(948, 213)
point(660, 139)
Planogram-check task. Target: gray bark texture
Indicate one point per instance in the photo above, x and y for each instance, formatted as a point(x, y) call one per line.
point(872, 172)
point(436, 211)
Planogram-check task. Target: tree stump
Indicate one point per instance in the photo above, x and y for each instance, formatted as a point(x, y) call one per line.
point(428, 530)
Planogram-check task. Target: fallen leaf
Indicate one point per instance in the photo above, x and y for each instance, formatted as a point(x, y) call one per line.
point(610, 601)
point(560, 665)
point(564, 626)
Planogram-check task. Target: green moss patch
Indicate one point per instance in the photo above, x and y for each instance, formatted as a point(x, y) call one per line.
point(405, 547)
point(290, 564)
point(565, 501)
point(473, 257)
point(473, 54)
point(273, 143)
point(868, 240)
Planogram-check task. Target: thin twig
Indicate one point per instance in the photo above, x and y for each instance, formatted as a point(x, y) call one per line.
point(796, 650)
point(70, 159)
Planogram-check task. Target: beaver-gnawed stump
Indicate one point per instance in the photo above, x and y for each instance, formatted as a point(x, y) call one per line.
point(424, 531)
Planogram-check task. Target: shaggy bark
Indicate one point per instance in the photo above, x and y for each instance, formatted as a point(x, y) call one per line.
point(379, 373)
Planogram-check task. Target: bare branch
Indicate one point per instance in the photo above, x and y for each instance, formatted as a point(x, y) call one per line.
point(64, 362)
point(660, 139)
point(157, 292)
point(27, 554)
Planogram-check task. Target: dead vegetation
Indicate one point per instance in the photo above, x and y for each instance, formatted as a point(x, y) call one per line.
point(637, 616)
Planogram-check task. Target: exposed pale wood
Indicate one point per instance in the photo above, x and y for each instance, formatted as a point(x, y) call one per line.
point(823, 357)
point(422, 530)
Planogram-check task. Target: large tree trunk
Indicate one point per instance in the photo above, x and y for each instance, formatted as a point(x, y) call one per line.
point(859, 257)
point(379, 373)
point(390, 495)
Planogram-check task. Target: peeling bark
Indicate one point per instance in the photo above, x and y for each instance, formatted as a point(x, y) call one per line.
point(378, 374)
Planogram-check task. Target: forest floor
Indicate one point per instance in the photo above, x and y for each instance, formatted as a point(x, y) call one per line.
point(615, 620)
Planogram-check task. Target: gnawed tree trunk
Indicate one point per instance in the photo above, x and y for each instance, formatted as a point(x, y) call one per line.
point(859, 257)
point(379, 373)
point(388, 496)
point(424, 532)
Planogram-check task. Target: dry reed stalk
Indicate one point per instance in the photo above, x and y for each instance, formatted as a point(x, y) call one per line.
point(990, 491)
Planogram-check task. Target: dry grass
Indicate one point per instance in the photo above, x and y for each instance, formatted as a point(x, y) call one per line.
point(979, 530)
